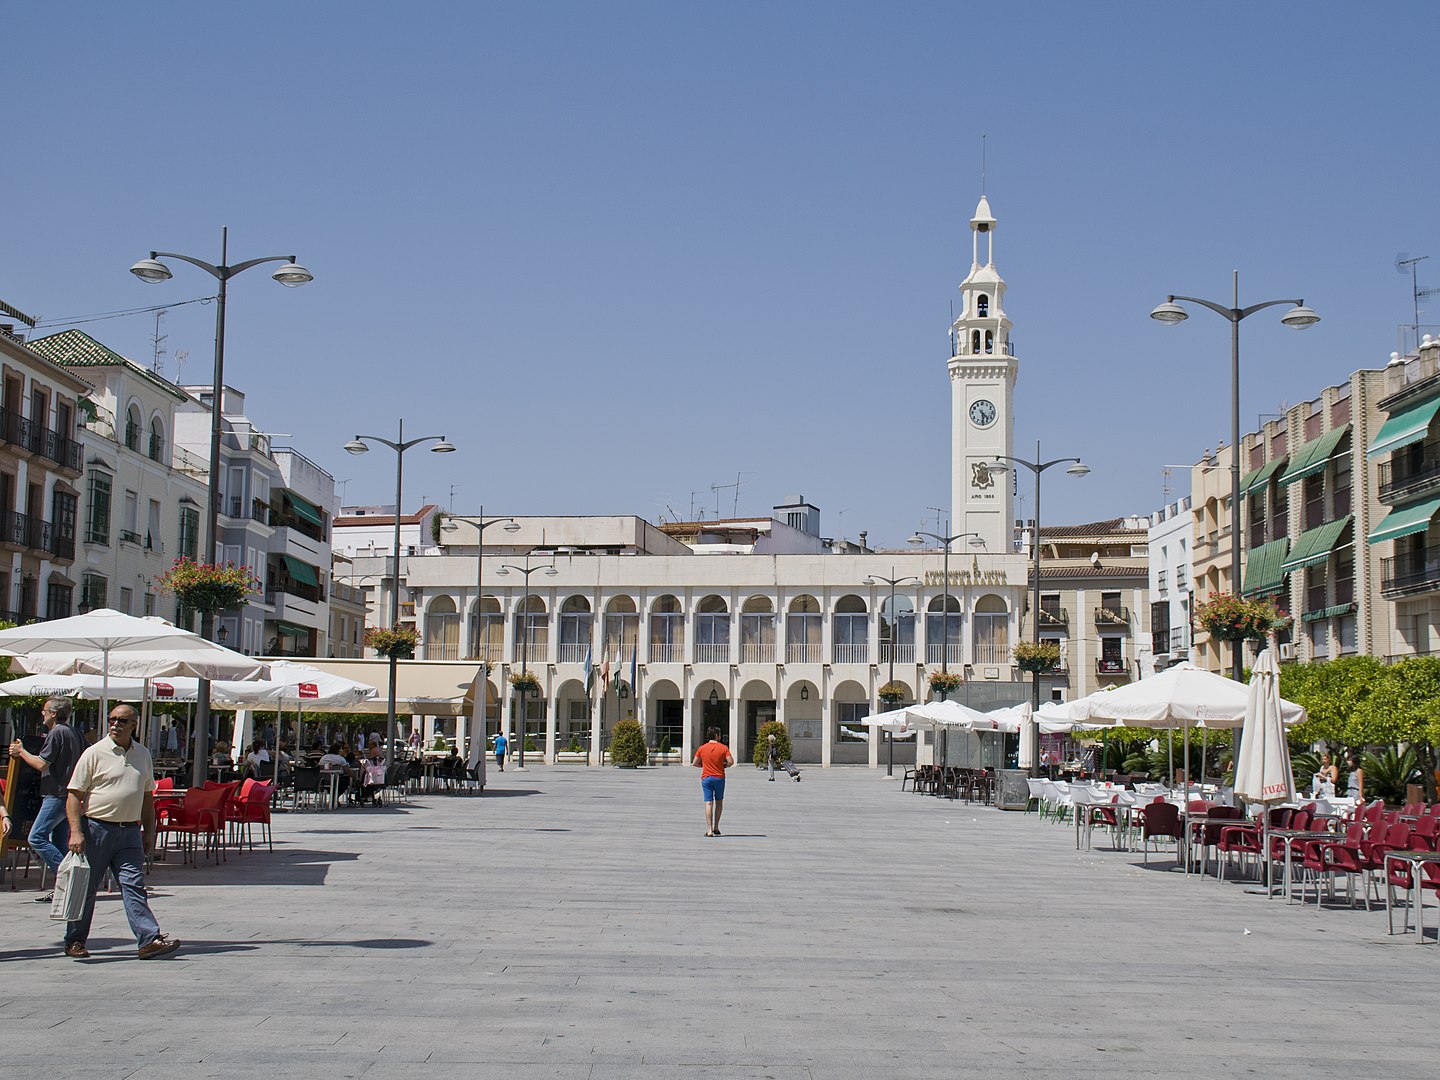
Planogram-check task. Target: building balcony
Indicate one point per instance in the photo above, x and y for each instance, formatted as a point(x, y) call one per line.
point(850, 654)
point(903, 653)
point(25, 531)
point(442, 650)
point(666, 652)
point(945, 655)
point(1410, 573)
point(1110, 666)
point(757, 652)
point(25, 434)
point(990, 654)
point(572, 652)
point(1054, 618)
point(712, 652)
point(800, 652)
point(1404, 477)
point(1112, 617)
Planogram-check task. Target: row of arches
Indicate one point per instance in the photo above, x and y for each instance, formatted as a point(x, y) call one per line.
point(142, 438)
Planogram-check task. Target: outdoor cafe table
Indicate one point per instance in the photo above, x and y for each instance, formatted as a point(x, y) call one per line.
point(1289, 835)
point(1414, 858)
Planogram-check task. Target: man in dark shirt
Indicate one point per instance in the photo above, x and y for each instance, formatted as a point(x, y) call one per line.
point(56, 761)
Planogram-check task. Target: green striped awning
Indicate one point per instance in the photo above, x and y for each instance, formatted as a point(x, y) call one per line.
point(1314, 455)
point(302, 572)
point(1327, 613)
point(1257, 480)
point(1405, 521)
point(307, 510)
point(1405, 427)
point(1264, 572)
point(1315, 545)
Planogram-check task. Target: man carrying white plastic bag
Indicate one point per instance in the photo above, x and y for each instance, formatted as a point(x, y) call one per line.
point(112, 794)
point(72, 882)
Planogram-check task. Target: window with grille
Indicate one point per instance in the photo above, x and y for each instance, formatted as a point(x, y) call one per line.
point(97, 527)
point(189, 532)
point(93, 592)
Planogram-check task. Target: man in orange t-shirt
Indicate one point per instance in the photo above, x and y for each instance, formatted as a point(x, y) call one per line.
point(712, 760)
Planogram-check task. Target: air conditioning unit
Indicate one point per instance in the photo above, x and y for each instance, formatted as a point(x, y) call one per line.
point(1287, 651)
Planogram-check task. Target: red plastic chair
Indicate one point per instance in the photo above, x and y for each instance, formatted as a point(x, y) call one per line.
point(1158, 819)
point(201, 814)
point(255, 810)
point(1429, 882)
point(165, 783)
point(1322, 859)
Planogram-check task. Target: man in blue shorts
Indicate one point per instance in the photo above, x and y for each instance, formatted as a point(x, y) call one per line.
point(712, 760)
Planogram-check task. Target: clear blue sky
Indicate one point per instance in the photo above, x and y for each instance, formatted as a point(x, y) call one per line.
point(621, 252)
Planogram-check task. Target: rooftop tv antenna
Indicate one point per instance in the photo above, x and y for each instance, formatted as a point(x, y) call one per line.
point(717, 488)
point(158, 351)
point(1403, 262)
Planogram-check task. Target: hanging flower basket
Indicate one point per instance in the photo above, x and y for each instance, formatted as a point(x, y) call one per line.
point(1042, 657)
point(398, 642)
point(945, 682)
point(1234, 618)
point(208, 588)
point(524, 682)
point(892, 693)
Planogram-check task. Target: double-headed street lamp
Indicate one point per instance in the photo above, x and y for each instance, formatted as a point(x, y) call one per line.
point(152, 271)
point(1077, 468)
point(524, 613)
point(876, 579)
point(481, 523)
point(976, 540)
point(358, 445)
point(1298, 317)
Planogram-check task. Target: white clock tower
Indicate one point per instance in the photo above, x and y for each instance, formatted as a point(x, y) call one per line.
point(982, 393)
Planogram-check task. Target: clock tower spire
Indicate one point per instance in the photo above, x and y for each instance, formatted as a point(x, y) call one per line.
point(982, 392)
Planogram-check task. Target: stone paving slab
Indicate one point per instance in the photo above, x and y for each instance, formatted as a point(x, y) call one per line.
point(576, 923)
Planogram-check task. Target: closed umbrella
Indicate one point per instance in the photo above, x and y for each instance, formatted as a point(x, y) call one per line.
point(1262, 772)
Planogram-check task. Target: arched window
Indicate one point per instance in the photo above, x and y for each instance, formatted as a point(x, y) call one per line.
point(622, 628)
point(575, 623)
point(851, 630)
point(532, 630)
point(982, 306)
point(897, 631)
point(487, 632)
point(992, 631)
point(942, 631)
point(975, 341)
point(989, 341)
point(757, 631)
point(156, 450)
point(802, 631)
point(133, 428)
point(667, 631)
point(442, 630)
point(712, 632)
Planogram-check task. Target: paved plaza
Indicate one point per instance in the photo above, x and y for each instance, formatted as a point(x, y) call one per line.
point(576, 923)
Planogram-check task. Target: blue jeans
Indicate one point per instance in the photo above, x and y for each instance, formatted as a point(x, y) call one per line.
point(119, 848)
point(50, 833)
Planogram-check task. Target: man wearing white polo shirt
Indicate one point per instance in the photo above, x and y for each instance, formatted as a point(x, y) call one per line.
point(112, 794)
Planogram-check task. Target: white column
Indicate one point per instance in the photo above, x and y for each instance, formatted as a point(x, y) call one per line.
point(552, 715)
point(827, 732)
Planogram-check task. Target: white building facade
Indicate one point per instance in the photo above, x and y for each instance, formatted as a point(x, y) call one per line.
point(1171, 543)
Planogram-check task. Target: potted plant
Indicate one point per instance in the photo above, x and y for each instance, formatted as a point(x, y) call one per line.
point(892, 693)
point(664, 754)
point(208, 587)
point(1040, 657)
point(944, 683)
point(627, 745)
point(524, 683)
point(573, 754)
point(397, 642)
point(1235, 618)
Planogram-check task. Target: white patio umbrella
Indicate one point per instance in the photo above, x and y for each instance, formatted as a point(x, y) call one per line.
point(896, 721)
point(1262, 771)
point(303, 685)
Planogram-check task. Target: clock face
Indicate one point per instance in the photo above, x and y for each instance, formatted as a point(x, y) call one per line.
point(982, 413)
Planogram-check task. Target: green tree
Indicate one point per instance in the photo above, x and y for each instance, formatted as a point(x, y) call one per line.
point(783, 751)
point(627, 744)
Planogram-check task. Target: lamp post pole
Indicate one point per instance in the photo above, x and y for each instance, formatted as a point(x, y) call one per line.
point(526, 571)
point(945, 541)
point(152, 271)
point(358, 446)
point(876, 579)
point(1038, 466)
point(1299, 317)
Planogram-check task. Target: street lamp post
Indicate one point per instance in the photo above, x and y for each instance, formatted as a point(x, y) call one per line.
point(876, 579)
point(358, 445)
point(526, 571)
point(1298, 317)
point(1077, 468)
point(975, 541)
point(152, 271)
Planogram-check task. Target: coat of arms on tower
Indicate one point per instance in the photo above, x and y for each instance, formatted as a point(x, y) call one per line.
point(980, 475)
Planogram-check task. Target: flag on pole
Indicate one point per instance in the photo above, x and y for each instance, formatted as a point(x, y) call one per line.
point(634, 651)
point(605, 677)
point(589, 670)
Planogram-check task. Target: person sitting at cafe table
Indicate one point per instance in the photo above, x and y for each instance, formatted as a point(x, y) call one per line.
point(258, 759)
point(373, 778)
point(334, 759)
point(220, 755)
